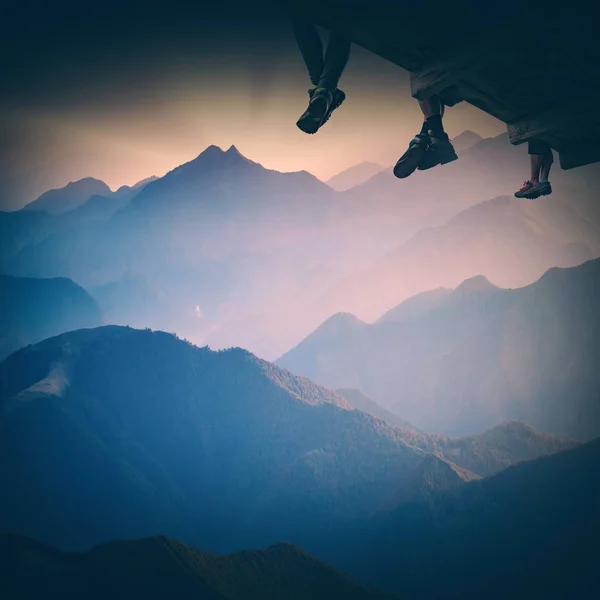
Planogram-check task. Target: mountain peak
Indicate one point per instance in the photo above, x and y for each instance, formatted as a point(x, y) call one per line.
point(341, 321)
point(467, 135)
point(211, 150)
point(233, 150)
point(465, 140)
point(476, 284)
point(217, 155)
point(72, 195)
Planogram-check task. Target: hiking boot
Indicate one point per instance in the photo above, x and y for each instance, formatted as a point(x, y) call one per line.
point(410, 160)
point(321, 104)
point(439, 152)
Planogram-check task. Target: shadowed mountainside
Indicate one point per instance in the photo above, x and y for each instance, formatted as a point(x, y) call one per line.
point(530, 531)
point(483, 356)
point(484, 454)
point(220, 449)
point(162, 567)
point(34, 309)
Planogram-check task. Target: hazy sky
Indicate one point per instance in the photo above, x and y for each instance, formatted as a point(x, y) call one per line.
point(124, 94)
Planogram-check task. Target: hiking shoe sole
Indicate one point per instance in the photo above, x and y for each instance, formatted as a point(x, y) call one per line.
point(407, 164)
point(536, 193)
point(443, 158)
point(308, 124)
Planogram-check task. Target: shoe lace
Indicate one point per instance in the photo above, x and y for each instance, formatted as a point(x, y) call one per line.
point(526, 184)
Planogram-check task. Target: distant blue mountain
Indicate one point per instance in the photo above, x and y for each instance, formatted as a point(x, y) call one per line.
point(71, 196)
point(34, 309)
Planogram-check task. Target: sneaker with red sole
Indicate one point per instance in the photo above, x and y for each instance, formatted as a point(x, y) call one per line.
point(534, 189)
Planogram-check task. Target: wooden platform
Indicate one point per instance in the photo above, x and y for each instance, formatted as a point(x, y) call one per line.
point(534, 65)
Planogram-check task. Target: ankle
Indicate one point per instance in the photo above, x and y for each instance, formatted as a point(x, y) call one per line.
point(435, 126)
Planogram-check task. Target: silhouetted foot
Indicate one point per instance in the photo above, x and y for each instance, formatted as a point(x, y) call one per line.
point(439, 152)
point(534, 189)
point(410, 160)
point(322, 103)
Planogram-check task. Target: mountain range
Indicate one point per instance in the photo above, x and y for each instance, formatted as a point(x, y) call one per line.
point(211, 233)
point(474, 357)
point(530, 531)
point(265, 256)
point(504, 445)
point(511, 242)
point(161, 567)
point(220, 449)
point(77, 206)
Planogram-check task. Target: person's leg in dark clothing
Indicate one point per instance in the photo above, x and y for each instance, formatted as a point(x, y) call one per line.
point(546, 166)
point(311, 48)
point(431, 146)
point(336, 59)
point(440, 150)
point(324, 72)
point(540, 161)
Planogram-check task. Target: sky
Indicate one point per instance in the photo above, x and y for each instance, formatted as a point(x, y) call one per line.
point(121, 94)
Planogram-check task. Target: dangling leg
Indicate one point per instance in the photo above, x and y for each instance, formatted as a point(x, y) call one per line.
point(431, 146)
point(440, 150)
point(336, 59)
point(540, 161)
point(325, 97)
point(311, 47)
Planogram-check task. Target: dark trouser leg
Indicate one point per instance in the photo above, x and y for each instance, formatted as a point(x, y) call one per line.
point(311, 47)
point(431, 106)
point(336, 59)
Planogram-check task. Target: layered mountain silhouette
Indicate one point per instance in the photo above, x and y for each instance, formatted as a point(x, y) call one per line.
point(268, 255)
point(484, 355)
point(161, 567)
point(511, 242)
point(34, 309)
point(208, 232)
point(356, 399)
point(354, 176)
point(71, 196)
point(528, 532)
point(416, 306)
point(87, 202)
point(136, 301)
point(484, 454)
point(126, 433)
